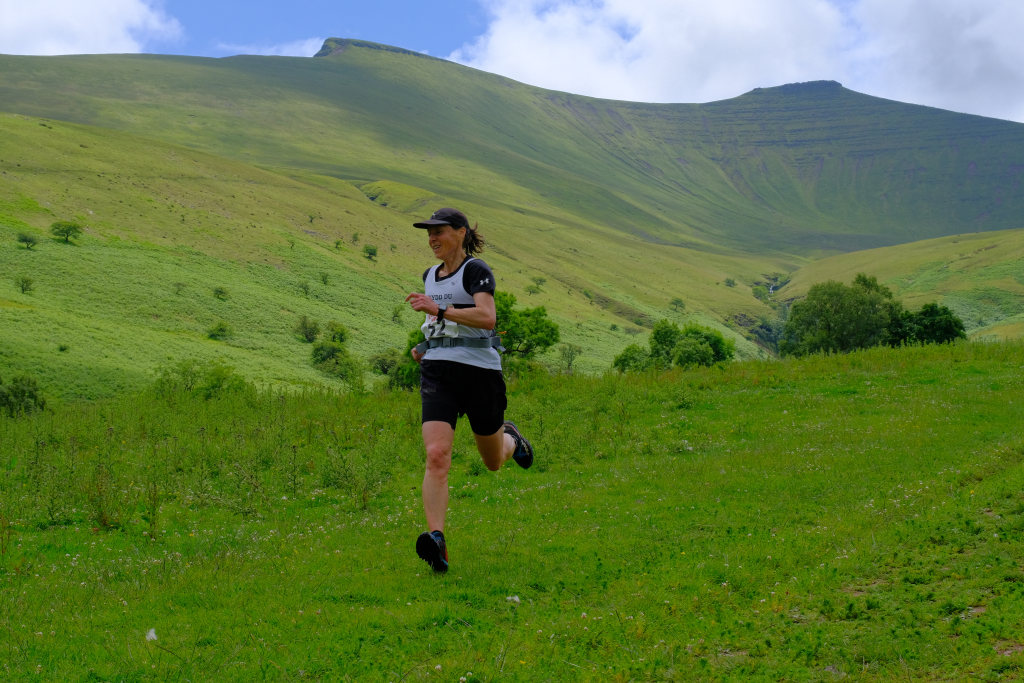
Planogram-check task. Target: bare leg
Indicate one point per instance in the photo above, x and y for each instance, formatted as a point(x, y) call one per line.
point(437, 438)
point(495, 449)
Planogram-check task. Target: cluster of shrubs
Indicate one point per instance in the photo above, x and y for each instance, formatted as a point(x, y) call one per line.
point(204, 379)
point(21, 396)
point(670, 345)
point(834, 317)
point(330, 354)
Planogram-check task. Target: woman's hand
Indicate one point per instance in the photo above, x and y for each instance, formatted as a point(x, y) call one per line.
point(422, 303)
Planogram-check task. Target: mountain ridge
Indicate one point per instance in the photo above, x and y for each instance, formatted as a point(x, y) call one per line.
point(802, 166)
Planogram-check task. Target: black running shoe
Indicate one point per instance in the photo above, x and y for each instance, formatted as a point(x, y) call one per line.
point(523, 454)
point(431, 548)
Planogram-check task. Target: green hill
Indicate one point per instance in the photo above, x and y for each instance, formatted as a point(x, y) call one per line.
point(266, 176)
point(979, 276)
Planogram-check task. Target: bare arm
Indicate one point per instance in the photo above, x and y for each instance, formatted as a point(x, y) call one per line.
point(481, 315)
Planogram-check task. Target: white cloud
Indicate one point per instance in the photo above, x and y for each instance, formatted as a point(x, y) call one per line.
point(964, 56)
point(955, 54)
point(56, 27)
point(297, 48)
point(659, 50)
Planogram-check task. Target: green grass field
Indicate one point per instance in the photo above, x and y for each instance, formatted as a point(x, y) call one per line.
point(856, 516)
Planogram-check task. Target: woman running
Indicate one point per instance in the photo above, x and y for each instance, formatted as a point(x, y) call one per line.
point(460, 369)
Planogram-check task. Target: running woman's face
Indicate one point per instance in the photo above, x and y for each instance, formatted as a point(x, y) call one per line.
point(445, 241)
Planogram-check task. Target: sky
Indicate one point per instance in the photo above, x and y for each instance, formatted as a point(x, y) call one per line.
point(961, 55)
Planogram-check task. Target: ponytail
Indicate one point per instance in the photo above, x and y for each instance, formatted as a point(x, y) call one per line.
point(473, 242)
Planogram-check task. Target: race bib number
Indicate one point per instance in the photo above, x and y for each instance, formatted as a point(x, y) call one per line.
point(434, 329)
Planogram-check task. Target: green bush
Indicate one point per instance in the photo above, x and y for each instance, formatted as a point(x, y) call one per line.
point(21, 396)
point(634, 358)
point(220, 331)
point(691, 352)
point(406, 373)
point(307, 330)
point(669, 345)
point(337, 332)
point(206, 379)
point(332, 358)
point(384, 363)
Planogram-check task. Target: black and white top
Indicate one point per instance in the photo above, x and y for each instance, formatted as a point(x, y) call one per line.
point(456, 290)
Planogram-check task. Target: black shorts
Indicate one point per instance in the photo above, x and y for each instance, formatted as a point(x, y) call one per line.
point(450, 389)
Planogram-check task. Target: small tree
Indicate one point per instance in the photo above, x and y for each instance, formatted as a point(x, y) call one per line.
point(664, 337)
point(524, 332)
point(66, 229)
point(369, 251)
point(634, 358)
point(307, 330)
point(28, 240)
point(569, 353)
point(677, 305)
point(220, 293)
point(936, 324)
point(24, 284)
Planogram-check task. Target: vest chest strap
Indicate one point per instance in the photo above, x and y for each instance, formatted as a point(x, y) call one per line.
point(471, 342)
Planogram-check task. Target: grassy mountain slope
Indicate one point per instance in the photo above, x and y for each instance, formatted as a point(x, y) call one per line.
point(267, 176)
point(979, 276)
point(796, 169)
point(166, 225)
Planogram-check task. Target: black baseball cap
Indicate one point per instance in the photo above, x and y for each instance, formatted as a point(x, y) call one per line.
point(446, 216)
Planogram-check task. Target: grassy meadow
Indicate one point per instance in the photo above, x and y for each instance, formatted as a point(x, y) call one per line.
point(856, 516)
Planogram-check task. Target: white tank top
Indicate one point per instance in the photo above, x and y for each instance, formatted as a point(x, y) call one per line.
point(450, 291)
